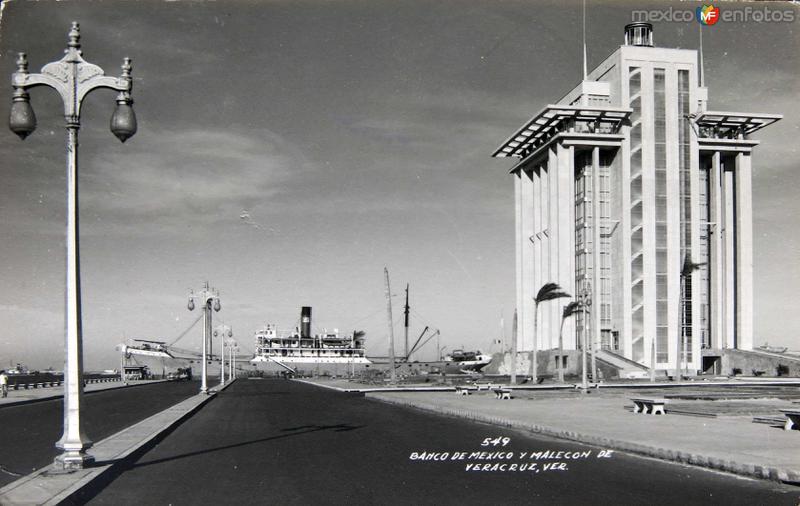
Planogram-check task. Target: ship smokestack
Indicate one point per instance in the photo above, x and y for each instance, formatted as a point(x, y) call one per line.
point(305, 322)
point(639, 34)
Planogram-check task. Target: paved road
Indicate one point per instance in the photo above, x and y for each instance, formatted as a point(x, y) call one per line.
point(282, 442)
point(28, 432)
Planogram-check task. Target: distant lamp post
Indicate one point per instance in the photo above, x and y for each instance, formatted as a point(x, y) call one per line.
point(73, 78)
point(233, 346)
point(209, 297)
point(222, 331)
point(585, 301)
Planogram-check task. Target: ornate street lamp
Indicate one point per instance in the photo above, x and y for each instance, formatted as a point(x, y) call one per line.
point(73, 78)
point(233, 346)
point(210, 299)
point(222, 331)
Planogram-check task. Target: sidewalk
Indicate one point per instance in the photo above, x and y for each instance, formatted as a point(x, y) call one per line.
point(43, 394)
point(48, 486)
point(727, 443)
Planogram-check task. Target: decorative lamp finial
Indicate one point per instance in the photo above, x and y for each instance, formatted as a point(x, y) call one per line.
point(75, 36)
point(126, 67)
point(22, 63)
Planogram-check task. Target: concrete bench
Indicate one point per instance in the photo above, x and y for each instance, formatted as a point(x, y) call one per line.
point(792, 419)
point(502, 393)
point(483, 386)
point(652, 406)
point(462, 390)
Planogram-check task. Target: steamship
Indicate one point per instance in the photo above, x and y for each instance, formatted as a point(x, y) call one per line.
point(301, 347)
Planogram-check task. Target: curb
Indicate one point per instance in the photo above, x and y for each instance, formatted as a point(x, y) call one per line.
point(743, 469)
point(377, 389)
point(23, 402)
point(87, 477)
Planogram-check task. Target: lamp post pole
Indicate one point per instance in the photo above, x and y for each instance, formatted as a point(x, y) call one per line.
point(234, 349)
point(210, 299)
point(73, 78)
point(230, 361)
point(222, 331)
point(232, 346)
point(585, 300)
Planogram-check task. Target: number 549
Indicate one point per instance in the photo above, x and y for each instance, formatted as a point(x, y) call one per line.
point(496, 441)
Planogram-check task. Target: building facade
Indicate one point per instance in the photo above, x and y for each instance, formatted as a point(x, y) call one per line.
point(630, 191)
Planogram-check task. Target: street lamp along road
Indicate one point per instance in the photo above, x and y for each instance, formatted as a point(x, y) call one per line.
point(233, 347)
point(222, 331)
point(73, 78)
point(210, 298)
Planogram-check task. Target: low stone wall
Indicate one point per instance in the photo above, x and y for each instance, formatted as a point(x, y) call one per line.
point(546, 366)
point(747, 362)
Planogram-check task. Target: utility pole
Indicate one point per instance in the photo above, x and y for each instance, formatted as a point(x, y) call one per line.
point(391, 328)
point(406, 324)
point(122, 367)
point(514, 350)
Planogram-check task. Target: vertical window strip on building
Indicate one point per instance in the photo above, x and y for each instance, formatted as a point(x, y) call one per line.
point(660, 167)
point(605, 307)
point(685, 204)
point(703, 251)
point(583, 238)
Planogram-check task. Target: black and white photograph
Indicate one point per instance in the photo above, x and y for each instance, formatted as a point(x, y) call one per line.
point(411, 252)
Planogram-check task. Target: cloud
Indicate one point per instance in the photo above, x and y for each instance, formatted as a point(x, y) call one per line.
point(169, 179)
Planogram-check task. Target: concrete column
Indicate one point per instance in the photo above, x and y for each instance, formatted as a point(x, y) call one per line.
point(547, 311)
point(729, 249)
point(694, 183)
point(744, 252)
point(718, 338)
point(566, 241)
point(527, 258)
point(518, 228)
point(537, 229)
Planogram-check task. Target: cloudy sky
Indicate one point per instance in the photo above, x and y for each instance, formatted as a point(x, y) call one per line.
point(356, 135)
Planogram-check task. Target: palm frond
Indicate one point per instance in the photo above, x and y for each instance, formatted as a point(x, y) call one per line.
point(689, 266)
point(550, 291)
point(570, 309)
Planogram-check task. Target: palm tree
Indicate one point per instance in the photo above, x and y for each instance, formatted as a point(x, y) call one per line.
point(686, 271)
point(549, 291)
point(569, 310)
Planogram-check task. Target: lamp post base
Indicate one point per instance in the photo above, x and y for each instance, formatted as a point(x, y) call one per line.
point(73, 460)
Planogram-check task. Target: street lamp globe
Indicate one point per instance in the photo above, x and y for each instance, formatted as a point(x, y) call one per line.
point(21, 119)
point(123, 121)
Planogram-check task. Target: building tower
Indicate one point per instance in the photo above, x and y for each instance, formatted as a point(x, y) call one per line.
point(620, 181)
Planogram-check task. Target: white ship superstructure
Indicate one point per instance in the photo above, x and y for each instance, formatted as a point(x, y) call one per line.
point(300, 346)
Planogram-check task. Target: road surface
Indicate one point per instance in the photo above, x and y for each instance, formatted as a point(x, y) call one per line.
point(28, 432)
point(283, 442)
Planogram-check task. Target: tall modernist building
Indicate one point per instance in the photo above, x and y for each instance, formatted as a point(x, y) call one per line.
point(617, 185)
